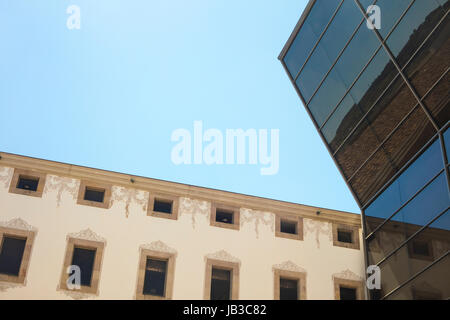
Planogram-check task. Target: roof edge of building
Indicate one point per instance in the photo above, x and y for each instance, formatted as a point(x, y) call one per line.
point(176, 188)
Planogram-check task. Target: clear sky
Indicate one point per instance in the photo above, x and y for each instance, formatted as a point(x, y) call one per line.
point(110, 94)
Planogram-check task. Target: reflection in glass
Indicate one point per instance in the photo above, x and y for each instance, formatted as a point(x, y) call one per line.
point(422, 170)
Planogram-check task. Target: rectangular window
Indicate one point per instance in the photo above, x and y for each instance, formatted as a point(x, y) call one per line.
point(84, 259)
point(288, 289)
point(345, 236)
point(12, 250)
point(287, 226)
point(27, 183)
point(289, 285)
point(347, 293)
point(345, 289)
point(220, 284)
point(164, 206)
point(155, 277)
point(92, 194)
point(15, 253)
point(225, 216)
point(221, 280)
point(88, 256)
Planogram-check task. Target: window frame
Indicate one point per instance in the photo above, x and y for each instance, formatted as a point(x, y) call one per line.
point(291, 218)
point(353, 284)
point(163, 197)
point(413, 255)
point(24, 265)
point(233, 267)
point(96, 269)
point(291, 275)
point(355, 236)
point(28, 173)
point(94, 185)
point(236, 216)
point(170, 272)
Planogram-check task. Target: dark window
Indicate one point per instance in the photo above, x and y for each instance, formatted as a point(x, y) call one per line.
point(344, 236)
point(224, 216)
point(11, 255)
point(28, 183)
point(92, 194)
point(220, 284)
point(421, 248)
point(346, 293)
point(288, 289)
point(84, 259)
point(162, 206)
point(287, 226)
point(155, 277)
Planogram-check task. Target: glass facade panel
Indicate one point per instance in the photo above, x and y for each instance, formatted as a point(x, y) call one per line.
point(309, 33)
point(366, 90)
point(434, 284)
point(405, 186)
point(413, 29)
point(419, 252)
point(429, 203)
point(447, 143)
point(437, 101)
point(405, 142)
point(430, 63)
point(391, 12)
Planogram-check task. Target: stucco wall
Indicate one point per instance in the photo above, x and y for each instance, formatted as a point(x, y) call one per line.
point(57, 214)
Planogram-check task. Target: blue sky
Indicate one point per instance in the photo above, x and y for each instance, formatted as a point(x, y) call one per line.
point(110, 94)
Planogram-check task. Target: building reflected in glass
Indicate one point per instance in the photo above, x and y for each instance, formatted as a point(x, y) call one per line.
point(380, 101)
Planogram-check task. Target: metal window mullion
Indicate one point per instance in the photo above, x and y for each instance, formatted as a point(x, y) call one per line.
point(404, 204)
point(391, 83)
point(417, 274)
point(367, 64)
point(318, 40)
point(395, 128)
point(400, 171)
point(400, 70)
point(390, 254)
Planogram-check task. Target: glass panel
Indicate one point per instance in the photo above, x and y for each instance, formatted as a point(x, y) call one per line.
point(94, 195)
point(84, 259)
point(421, 210)
point(433, 242)
point(331, 90)
point(347, 293)
point(11, 255)
point(432, 60)
point(288, 227)
point(155, 277)
point(412, 30)
point(365, 92)
point(313, 73)
point(28, 183)
point(405, 186)
point(349, 65)
point(437, 101)
point(220, 284)
point(405, 142)
point(288, 289)
point(162, 206)
point(309, 33)
point(390, 13)
point(433, 284)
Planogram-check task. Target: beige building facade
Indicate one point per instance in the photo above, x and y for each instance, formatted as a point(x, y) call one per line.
point(258, 244)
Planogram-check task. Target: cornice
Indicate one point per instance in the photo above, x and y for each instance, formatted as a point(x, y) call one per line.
point(178, 189)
